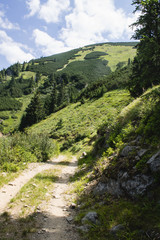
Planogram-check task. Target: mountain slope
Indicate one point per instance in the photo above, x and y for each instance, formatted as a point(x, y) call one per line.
point(64, 78)
point(119, 180)
point(116, 137)
point(112, 55)
point(79, 122)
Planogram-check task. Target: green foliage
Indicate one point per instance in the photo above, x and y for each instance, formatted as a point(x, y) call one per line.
point(115, 80)
point(150, 123)
point(92, 69)
point(94, 55)
point(16, 87)
point(34, 112)
point(140, 117)
point(7, 103)
point(140, 218)
point(120, 65)
point(22, 148)
point(49, 65)
point(75, 125)
point(14, 69)
point(101, 54)
point(146, 65)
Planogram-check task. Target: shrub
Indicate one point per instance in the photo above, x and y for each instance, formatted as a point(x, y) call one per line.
point(22, 148)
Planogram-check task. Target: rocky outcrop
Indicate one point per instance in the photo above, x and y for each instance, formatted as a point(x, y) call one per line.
point(128, 181)
point(136, 185)
point(125, 185)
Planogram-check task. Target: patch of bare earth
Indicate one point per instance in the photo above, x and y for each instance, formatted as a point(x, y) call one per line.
point(54, 219)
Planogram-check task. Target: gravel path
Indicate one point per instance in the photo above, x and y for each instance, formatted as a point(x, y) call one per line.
point(58, 221)
point(8, 191)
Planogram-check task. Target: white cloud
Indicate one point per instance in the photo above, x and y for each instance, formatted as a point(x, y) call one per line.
point(48, 44)
point(13, 51)
point(50, 11)
point(96, 21)
point(88, 22)
point(5, 23)
point(33, 6)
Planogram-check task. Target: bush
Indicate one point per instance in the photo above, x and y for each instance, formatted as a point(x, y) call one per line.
point(38, 144)
point(22, 148)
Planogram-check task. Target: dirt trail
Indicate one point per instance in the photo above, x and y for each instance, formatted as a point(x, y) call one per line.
point(58, 222)
point(8, 191)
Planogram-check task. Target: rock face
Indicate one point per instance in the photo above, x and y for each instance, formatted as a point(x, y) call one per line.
point(137, 185)
point(154, 162)
point(127, 150)
point(125, 185)
point(111, 186)
point(128, 180)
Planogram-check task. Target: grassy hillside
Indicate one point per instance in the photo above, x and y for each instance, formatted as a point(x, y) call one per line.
point(114, 54)
point(11, 119)
point(72, 73)
point(137, 125)
point(76, 60)
point(79, 122)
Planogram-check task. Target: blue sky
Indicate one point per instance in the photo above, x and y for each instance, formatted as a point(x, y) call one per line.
point(34, 28)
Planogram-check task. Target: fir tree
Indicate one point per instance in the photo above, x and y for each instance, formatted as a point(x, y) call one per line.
point(146, 65)
point(34, 112)
point(61, 94)
point(53, 99)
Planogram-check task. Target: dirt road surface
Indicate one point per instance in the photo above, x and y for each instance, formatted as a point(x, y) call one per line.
point(56, 222)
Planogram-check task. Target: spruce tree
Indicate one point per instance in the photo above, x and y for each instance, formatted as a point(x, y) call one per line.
point(38, 77)
point(34, 112)
point(61, 95)
point(53, 99)
point(146, 65)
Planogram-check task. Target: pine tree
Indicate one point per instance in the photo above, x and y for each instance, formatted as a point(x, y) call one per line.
point(23, 67)
point(38, 77)
point(61, 95)
point(34, 112)
point(53, 99)
point(17, 69)
point(146, 65)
